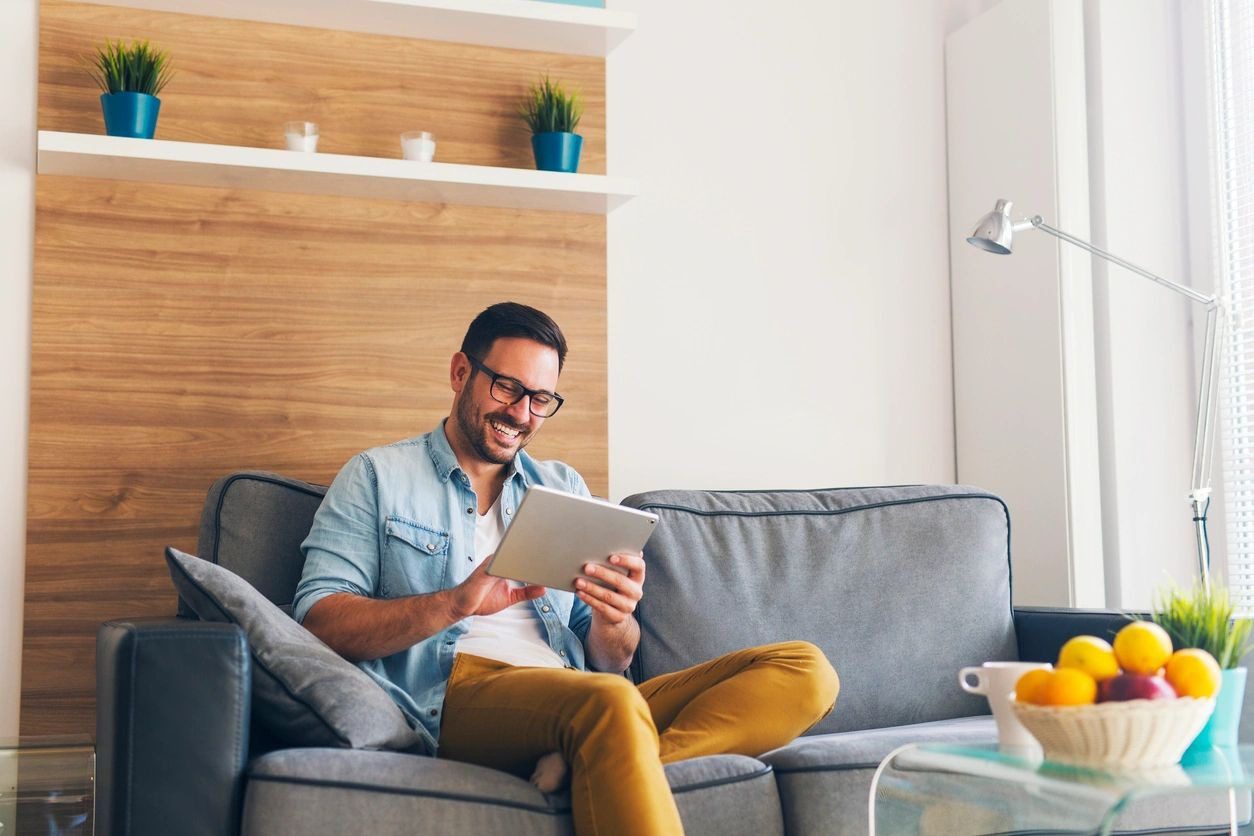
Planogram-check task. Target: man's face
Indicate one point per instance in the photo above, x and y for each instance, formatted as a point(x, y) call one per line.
point(496, 431)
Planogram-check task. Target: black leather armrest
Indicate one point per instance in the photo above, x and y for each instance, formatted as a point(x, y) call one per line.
point(172, 716)
point(1042, 631)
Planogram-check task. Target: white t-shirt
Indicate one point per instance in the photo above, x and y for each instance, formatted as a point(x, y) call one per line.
point(515, 635)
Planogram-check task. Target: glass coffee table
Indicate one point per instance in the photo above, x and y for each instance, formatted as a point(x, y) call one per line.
point(949, 789)
point(47, 786)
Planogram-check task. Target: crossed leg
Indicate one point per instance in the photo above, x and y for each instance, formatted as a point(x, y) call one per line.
point(747, 702)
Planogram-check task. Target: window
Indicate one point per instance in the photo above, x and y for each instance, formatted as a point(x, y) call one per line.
point(1233, 73)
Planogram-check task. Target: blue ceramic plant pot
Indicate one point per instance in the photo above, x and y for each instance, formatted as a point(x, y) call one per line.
point(1221, 728)
point(130, 114)
point(557, 151)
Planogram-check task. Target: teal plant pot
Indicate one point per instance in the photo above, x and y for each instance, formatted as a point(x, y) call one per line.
point(1221, 729)
point(130, 114)
point(557, 151)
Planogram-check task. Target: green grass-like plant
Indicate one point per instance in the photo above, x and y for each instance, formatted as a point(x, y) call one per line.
point(130, 68)
point(1199, 618)
point(549, 109)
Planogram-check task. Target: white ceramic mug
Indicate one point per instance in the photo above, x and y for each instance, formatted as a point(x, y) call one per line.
point(996, 681)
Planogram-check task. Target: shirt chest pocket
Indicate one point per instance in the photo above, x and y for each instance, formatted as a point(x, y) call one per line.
point(417, 556)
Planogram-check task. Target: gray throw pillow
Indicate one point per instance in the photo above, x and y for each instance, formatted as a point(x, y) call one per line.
point(304, 692)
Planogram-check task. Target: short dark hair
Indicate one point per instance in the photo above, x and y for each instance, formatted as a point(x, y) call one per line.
point(511, 319)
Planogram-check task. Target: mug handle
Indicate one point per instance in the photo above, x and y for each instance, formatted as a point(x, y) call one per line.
point(981, 683)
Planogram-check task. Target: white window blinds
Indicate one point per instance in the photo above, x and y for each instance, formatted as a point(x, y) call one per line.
point(1233, 74)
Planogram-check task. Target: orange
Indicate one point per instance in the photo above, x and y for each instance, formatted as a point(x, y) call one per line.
point(1090, 654)
point(1069, 686)
point(1142, 647)
point(1194, 673)
point(1032, 685)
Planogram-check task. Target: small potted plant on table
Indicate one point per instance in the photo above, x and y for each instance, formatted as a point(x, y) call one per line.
point(553, 115)
point(131, 76)
point(1205, 618)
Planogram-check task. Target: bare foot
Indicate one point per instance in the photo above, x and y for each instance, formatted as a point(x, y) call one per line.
point(551, 772)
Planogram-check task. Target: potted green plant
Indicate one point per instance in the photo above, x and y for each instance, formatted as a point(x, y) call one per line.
point(131, 76)
point(552, 115)
point(1206, 619)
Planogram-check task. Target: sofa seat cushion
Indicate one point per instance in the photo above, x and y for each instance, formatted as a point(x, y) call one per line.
point(825, 784)
point(342, 791)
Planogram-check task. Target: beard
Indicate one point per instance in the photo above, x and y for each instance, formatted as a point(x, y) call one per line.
point(474, 428)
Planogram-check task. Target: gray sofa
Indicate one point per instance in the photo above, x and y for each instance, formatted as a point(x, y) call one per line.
point(900, 586)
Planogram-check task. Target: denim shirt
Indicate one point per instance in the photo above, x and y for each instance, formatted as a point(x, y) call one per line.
point(400, 520)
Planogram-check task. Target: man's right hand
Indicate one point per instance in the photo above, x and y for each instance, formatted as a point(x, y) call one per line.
point(482, 594)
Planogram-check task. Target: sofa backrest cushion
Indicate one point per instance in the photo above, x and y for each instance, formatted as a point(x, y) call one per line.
point(253, 523)
point(899, 586)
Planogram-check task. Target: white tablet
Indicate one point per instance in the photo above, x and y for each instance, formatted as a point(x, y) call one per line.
point(555, 533)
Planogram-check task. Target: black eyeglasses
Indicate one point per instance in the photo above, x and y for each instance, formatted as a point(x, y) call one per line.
point(509, 391)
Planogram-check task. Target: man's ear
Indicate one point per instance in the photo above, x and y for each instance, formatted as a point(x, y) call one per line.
point(458, 372)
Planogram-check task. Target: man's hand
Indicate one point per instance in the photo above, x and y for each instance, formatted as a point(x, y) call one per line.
point(482, 594)
point(615, 604)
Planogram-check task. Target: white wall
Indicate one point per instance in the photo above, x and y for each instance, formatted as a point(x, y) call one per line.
point(779, 293)
point(1147, 388)
point(1023, 332)
point(19, 38)
point(1147, 182)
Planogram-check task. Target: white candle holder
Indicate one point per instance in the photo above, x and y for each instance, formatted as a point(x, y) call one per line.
point(418, 145)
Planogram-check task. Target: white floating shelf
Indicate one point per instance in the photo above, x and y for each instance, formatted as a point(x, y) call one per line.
point(268, 169)
point(514, 24)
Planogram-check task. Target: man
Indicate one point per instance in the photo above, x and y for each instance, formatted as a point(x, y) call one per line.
point(501, 674)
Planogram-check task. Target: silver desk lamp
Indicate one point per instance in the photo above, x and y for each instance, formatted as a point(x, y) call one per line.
point(995, 234)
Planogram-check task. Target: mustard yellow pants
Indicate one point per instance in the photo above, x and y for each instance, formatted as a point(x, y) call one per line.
point(615, 735)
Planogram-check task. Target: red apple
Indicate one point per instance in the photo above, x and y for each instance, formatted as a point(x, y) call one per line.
point(1134, 686)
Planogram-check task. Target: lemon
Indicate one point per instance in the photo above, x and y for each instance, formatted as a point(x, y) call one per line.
point(1069, 686)
point(1194, 673)
point(1142, 647)
point(1090, 654)
point(1032, 685)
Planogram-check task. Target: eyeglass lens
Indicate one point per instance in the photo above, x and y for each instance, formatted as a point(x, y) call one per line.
point(509, 392)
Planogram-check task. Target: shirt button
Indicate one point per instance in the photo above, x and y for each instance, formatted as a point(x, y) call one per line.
point(430, 547)
point(470, 510)
point(545, 608)
point(561, 652)
point(509, 511)
point(433, 712)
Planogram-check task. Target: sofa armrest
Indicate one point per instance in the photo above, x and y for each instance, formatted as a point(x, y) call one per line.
point(1042, 631)
point(172, 718)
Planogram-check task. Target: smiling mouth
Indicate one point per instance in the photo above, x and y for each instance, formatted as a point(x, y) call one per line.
point(503, 432)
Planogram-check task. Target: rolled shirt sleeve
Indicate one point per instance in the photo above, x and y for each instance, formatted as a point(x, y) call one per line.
point(342, 549)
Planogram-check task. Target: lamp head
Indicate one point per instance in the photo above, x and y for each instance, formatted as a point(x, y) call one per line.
point(995, 232)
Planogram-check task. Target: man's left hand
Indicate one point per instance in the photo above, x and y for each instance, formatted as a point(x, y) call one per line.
point(616, 601)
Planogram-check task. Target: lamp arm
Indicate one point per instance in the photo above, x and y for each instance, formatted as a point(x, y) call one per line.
point(1203, 439)
point(1127, 265)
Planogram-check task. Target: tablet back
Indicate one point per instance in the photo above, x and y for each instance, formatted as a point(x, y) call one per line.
point(555, 533)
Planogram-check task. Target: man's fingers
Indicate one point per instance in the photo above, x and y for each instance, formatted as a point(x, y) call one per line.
point(618, 582)
point(610, 614)
point(633, 562)
point(622, 603)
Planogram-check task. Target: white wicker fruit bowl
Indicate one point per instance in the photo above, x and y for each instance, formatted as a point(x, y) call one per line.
point(1135, 734)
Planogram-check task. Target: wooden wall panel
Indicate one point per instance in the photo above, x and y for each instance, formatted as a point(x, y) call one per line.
point(180, 333)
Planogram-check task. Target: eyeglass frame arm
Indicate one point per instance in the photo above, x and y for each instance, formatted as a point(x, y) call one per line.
point(1203, 439)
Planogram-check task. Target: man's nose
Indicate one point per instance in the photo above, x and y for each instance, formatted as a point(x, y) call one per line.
point(520, 412)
